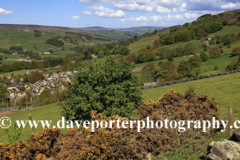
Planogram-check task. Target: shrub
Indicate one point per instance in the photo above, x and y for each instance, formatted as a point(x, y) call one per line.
point(204, 56)
point(214, 52)
point(236, 51)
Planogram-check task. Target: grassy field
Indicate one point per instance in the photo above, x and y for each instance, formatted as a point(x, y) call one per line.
point(48, 112)
point(21, 72)
point(223, 88)
point(26, 39)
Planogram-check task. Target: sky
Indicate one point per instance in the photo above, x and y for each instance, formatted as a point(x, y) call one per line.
point(109, 13)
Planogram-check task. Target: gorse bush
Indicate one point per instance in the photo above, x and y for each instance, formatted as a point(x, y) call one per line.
point(117, 143)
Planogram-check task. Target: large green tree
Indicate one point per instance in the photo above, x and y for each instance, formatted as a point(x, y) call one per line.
point(3, 91)
point(108, 87)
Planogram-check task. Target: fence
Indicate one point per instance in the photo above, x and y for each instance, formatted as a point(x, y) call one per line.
point(186, 80)
point(11, 109)
point(15, 108)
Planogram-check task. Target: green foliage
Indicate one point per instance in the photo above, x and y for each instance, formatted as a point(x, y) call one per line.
point(227, 39)
point(180, 51)
point(15, 135)
point(146, 56)
point(148, 72)
point(1, 58)
point(164, 52)
point(190, 68)
point(3, 91)
point(16, 48)
point(35, 76)
point(204, 56)
point(225, 22)
point(234, 65)
point(195, 61)
point(215, 52)
point(189, 48)
point(235, 51)
point(37, 33)
point(46, 97)
point(55, 42)
point(151, 56)
point(122, 50)
point(108, 87)
point(22, 88)
point(158, 72)
point(194, 72)
point(142, 57)
point(216, 67)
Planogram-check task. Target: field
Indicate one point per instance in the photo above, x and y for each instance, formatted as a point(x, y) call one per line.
point(39, 113)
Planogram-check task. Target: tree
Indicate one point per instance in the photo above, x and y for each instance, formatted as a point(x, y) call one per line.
point(3, 91)
point(195, 61)
point(184, 68)
point(236, 51)
point(168, 66)
point(180, 51)
point(164, 52)
point(35, 76)
point(215, 52)
point(108, 87)
point(151, 56)
point(204, 56)
point(158, 72)
point(189, 48)
point(46, 97)
point(142, 57)
point(1, 58)
point(37, 33)
point(148, 72)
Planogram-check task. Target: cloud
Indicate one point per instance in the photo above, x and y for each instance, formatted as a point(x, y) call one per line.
point(230, 5)
point(75, 17)
point(161, 9)
point(140, 19)
point(3, 11)
point(101, 11)
point(191, 15)
point(87, 13)
point(133, 7)
point(174, 17)
point(156, 18)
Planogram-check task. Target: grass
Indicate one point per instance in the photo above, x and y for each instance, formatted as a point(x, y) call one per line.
point(223, 88)
point(21, 72)
point(142, 43)
point(48, 112)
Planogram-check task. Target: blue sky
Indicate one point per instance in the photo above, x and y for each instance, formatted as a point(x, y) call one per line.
point(109, 13)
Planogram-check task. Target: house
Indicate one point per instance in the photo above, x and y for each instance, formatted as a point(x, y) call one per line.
point(45, 74)
point(46, 53)
point(13, 86)
point(94, 56)
point(15, 53)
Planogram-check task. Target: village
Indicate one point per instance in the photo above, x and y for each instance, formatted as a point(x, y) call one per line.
point(50, 82)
